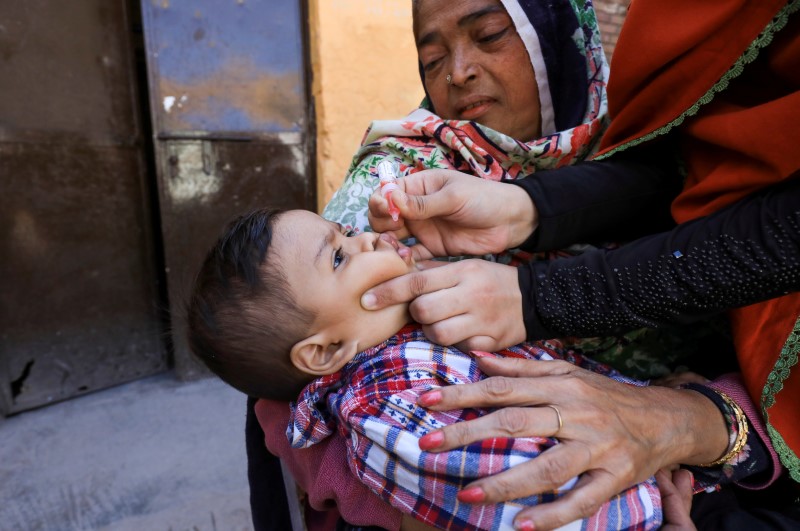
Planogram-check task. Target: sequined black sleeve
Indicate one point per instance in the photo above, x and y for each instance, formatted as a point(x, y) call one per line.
point(742, 254)
point(598, 200)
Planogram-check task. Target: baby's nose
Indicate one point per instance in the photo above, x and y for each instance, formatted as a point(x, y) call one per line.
point(367, 241)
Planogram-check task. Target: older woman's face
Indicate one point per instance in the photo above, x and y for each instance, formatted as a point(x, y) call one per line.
point(476, 43)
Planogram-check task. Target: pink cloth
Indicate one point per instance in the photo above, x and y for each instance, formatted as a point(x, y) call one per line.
point(322, 472)
point(732, 385)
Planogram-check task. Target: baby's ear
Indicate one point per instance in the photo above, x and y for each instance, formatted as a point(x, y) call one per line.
point(317, 355)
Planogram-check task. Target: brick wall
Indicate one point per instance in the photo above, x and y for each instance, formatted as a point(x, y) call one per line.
point(610, 16)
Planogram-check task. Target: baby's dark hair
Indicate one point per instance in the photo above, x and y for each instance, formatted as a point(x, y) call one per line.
point(242, 318)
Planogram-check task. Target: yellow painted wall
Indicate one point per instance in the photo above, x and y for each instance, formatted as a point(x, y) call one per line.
point(364, 67)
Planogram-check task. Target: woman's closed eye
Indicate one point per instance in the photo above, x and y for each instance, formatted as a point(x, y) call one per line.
point(494, 36)
point(430, 65)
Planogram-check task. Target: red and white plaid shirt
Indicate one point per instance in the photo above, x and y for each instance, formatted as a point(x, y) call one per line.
point(372, 401)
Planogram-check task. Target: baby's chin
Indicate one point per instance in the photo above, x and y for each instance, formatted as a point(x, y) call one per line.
point(391, 321)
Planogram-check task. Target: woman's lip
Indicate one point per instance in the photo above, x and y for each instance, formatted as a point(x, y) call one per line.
point(472, 111)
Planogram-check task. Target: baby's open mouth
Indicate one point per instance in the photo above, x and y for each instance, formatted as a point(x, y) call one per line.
point(391, 240)
point(403, 250)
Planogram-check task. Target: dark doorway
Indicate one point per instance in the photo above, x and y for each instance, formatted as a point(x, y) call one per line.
point(104, 215)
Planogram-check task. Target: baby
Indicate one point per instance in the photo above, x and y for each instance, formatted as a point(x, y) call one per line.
point(276, 313)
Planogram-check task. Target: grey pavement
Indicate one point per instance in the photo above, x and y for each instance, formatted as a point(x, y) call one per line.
point(155, 454)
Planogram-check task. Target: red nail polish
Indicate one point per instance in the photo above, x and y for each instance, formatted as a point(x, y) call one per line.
point(471, 495)
point(481, 354)
point(431, 440)
point(526, 525)
point(430, 398)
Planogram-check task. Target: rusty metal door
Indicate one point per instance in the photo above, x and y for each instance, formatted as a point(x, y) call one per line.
point(231, 125)
point(79, 293)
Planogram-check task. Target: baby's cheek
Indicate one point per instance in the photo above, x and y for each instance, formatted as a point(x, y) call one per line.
point(391, 266)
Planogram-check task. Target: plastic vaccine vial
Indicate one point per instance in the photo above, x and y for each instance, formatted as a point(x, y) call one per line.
point(388, 181)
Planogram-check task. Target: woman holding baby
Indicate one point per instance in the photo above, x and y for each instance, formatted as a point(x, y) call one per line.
point(516, 88)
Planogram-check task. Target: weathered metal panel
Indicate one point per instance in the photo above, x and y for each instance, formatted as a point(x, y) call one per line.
point(230, 111)
point(226, 66)
point(65, 67)
point(78, 277)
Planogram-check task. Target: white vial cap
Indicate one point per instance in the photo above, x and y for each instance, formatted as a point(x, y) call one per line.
point(386, 172)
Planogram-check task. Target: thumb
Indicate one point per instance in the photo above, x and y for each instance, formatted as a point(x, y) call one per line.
point(422, 207)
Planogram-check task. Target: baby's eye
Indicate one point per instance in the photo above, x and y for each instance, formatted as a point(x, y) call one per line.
point(338, 258)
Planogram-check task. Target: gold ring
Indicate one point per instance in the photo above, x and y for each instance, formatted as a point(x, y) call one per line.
point(560, 420)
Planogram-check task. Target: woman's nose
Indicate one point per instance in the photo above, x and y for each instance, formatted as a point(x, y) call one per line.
point(464, 65)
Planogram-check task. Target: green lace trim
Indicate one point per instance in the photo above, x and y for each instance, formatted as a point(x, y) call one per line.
point(762, 41)
point(778, 375)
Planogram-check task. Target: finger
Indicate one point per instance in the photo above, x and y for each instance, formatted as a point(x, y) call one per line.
point(424, 182)
point(507, 422)
point(594, 488)
point(406, 288)
point(422, 207)
point(515, 367)
point(521, 481)
point(443, 311)
point(669, 492)
point(684, 483)
point(380, 219)
point(676, 497)
point(480, 343)
point(459, 329)
point(422, 254)
point(498, 391)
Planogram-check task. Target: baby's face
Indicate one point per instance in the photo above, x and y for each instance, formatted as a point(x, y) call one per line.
point(328, 272)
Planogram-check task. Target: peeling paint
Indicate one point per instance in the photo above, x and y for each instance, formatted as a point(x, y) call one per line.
point(169, 101)
point(192, 176)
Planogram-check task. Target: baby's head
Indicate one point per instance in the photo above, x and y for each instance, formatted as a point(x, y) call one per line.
point(277, 300)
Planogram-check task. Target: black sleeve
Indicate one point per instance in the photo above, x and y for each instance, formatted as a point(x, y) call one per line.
point(745, 253)
point(598, 200)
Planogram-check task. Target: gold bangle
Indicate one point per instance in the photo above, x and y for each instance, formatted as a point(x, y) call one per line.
point(741, 435)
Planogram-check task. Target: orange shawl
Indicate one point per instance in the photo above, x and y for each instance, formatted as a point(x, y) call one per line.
point(726, 74)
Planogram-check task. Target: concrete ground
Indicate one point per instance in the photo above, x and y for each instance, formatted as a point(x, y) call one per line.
point(155, 454)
